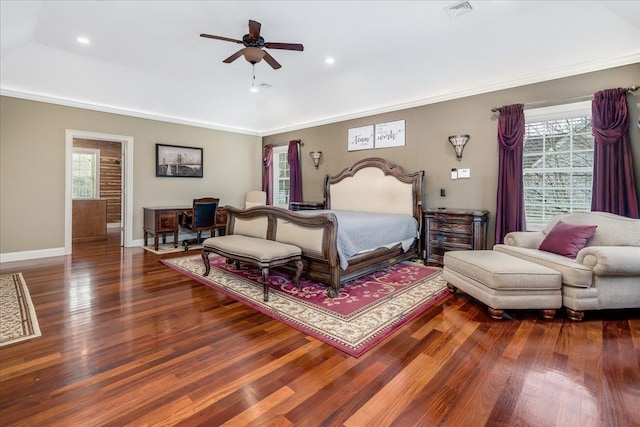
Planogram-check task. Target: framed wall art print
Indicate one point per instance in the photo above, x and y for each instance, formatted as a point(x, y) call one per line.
point(390, 134)
point(179, 162)
point(360, 138)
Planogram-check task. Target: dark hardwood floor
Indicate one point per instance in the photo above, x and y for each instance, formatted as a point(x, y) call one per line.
point(127, 341)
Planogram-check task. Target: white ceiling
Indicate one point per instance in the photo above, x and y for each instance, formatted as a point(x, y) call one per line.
point(146, 57)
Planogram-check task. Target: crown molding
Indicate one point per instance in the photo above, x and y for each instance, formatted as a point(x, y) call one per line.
point(122, 111)
point(515, 81)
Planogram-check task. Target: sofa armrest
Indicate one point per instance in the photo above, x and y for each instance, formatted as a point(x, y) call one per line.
point(611, 260)
point(524, 239)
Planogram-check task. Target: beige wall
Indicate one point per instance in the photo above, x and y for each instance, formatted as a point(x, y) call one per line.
point(32, 155)
point(427, 146)
point(32, 168)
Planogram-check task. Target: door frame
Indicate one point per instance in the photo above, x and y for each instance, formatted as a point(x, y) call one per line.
point(127, 187)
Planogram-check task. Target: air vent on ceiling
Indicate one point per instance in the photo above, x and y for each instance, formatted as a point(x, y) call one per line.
point(265, 85)
point(460, 9)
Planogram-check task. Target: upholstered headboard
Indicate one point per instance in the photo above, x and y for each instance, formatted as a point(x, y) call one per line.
point(375, 185)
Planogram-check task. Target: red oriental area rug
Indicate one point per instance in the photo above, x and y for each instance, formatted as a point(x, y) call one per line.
point(366, 311)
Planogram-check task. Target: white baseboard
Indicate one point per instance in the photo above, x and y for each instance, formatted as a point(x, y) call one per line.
point(51, 252)
point(27, 255)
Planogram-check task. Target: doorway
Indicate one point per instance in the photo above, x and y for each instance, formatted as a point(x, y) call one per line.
point(126, 143)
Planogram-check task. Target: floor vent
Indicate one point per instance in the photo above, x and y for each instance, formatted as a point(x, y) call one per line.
point(460, 9)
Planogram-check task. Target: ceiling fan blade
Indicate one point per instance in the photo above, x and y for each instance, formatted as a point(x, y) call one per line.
point(233, 57)
point(254, 29)
point(271, 61)
point(286, 46)
point(226, 39)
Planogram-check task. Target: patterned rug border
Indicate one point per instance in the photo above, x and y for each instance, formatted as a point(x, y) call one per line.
point(26, 309)
point(355, 349)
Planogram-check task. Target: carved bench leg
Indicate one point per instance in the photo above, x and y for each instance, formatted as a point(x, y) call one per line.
point(205, 259)
point(265, 283)
point(574, 315)
point(496, 313)
point(296, 279)
point(451, 288)
point(548, 314)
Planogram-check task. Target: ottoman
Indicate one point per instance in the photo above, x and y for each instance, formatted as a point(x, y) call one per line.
point(502, 281)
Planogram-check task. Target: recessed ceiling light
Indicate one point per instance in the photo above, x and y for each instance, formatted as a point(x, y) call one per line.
point(329, 60)
point(253, 89)
point(83, 40)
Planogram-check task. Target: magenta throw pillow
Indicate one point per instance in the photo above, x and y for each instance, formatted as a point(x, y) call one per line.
point(567, 239)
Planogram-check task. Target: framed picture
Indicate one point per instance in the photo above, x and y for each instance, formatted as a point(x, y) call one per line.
point(179, 162)
point(360, 138)
point(390, 134)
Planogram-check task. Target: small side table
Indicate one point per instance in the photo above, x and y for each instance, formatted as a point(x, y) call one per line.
point(453, 230)
point(306, 206)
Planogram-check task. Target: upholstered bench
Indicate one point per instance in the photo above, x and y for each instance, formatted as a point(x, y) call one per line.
point(264, 253)
point(503, 282)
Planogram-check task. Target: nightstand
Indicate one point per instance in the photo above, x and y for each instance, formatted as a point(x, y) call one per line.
point(453, 230)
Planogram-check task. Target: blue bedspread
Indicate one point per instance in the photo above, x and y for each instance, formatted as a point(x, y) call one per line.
point(364, 231)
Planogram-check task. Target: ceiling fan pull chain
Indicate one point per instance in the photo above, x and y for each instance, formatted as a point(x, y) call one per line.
point(253, 81)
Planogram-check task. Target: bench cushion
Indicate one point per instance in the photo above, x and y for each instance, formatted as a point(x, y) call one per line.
point(500, 271)
point(259, 249)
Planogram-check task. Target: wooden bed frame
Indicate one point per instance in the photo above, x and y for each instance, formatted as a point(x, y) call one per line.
point(372, 185)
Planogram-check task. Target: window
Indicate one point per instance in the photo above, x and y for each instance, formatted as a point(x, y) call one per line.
point(557, 162)
point(85, 173)
point(280, 177)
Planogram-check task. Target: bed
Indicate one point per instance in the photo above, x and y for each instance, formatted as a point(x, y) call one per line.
point(376, 188)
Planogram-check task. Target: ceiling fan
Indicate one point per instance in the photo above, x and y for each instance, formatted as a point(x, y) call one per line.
point(254, 43)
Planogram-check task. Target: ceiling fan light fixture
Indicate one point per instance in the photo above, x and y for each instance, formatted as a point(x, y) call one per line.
point(253, 44)
point(253, 54)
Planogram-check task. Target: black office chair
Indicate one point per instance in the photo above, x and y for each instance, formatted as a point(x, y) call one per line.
point(201, 218)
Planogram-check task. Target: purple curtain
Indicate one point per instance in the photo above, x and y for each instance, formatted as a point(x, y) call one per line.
point(295, 173)
point(614, 188)
point(510, 204)
point(267, 173)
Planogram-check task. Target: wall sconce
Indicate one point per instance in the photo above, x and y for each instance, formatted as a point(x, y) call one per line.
point(458, 142)
point(315, 155)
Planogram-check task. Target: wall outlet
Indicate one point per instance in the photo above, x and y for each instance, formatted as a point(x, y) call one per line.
point(464, 173)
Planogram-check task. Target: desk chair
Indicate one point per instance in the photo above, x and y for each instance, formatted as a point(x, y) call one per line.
point(201, 218)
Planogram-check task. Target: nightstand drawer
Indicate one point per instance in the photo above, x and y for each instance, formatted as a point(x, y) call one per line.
point(452, 227)
point(451, 240)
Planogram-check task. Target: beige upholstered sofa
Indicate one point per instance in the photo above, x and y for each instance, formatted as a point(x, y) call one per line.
point(606, 272)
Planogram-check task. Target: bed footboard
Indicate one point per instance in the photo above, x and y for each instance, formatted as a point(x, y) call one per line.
point(316, 235)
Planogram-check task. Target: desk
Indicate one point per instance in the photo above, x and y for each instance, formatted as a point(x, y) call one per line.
point(162, 220)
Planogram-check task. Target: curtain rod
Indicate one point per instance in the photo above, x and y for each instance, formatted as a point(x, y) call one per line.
point(551, 102)
point(286, 143)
